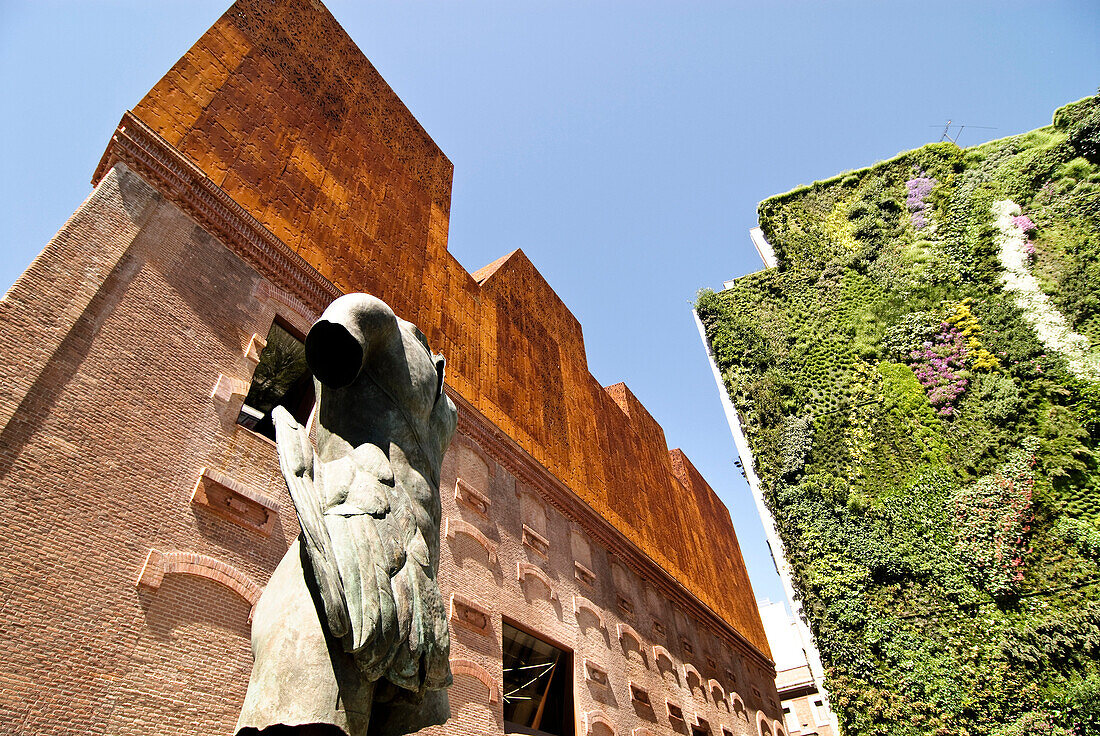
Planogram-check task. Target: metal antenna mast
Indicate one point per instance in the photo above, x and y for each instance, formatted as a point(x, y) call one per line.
point(946, 134)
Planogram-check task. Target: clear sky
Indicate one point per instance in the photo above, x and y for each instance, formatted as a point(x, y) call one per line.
point(623, 146)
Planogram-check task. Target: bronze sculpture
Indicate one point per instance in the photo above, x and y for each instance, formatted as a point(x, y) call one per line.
point(350, 635)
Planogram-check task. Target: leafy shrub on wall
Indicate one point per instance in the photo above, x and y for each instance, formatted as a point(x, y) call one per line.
point(992, 521)
point(929, 453)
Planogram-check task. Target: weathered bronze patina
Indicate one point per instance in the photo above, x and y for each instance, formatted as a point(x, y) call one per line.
point(350, 635)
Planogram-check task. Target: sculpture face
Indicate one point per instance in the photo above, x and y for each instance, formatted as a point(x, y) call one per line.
point(351, 630)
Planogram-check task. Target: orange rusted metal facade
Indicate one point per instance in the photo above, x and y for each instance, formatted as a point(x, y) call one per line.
point(280, 108)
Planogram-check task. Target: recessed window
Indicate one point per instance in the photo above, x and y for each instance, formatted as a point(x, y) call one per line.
point(281, 377)
point(790, 719)
point(538, 685)
point(817, 705)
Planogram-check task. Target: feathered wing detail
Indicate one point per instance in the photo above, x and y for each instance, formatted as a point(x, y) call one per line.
point(398, 621)
point(296, 459)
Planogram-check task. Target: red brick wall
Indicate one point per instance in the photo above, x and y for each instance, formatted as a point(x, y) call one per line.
point(278, 106)
point(112, 341)
point(551, 612)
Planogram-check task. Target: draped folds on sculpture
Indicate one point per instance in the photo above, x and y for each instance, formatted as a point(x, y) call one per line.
point(351, 631)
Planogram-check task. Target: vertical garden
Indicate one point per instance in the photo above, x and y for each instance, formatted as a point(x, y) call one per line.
point(919, 380)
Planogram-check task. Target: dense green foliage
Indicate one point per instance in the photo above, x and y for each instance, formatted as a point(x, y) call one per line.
point(928, 452)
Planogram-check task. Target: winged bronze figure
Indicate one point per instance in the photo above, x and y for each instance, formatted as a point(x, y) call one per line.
point(350, 635)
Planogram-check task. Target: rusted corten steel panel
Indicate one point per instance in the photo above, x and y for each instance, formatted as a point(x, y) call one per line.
point(278, 107)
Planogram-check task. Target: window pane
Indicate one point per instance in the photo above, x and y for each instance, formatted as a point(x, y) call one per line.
point(282, 377)
point(538, 685)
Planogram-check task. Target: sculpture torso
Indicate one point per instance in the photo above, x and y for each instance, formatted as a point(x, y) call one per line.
point(368, 501)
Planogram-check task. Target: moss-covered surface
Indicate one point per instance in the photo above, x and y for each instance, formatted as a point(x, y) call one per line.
point(928, 451)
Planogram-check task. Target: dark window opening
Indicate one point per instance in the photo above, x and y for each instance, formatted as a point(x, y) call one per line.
point(538, 685)
point(281, 377)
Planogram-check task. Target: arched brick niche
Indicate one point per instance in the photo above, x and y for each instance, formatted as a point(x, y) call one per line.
point(475, 670)
point(597, 724)
point(526, 569)
point(692, 674)
point(158, 564)
point(717, 692)
point(454, 526)
point(580, 603)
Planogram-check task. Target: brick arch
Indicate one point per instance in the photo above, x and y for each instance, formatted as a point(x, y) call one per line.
point(288, 307)
point(158, 564)
point(658, 652)
point(525, 569)
point(580, 602)
point(593, 718)
point(628, 631)
point(715, 685)
point(475, 670)
point(762, 724)
point(461, 526)
point(738, 704)
point(691, 671)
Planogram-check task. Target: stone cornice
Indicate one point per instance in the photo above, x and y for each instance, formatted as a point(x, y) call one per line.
point(508, 453)
point(184, 184)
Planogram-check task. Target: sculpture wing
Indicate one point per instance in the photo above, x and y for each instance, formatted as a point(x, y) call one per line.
point(297, 462)
point(398, 622)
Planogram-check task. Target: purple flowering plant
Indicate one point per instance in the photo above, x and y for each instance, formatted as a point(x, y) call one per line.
point(1026, 227)
point(939, 364)
point(917, 190)
point(1024, 223)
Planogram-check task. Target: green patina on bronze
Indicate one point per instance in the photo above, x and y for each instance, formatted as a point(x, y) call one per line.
point(350, 634)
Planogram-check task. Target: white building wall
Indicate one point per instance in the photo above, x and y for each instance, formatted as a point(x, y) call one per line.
point(775, 544)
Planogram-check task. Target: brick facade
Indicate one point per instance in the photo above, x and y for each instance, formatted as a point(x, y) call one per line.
point(141, 521)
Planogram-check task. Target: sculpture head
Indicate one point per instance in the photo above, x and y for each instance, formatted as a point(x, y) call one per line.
point(360, 344)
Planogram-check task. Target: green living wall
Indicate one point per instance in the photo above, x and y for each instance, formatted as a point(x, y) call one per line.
point(918, 380)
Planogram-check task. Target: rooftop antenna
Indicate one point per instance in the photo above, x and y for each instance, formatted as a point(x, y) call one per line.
point(946, 134)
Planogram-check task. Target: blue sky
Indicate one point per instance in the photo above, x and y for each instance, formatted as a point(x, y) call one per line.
point(623, 146)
